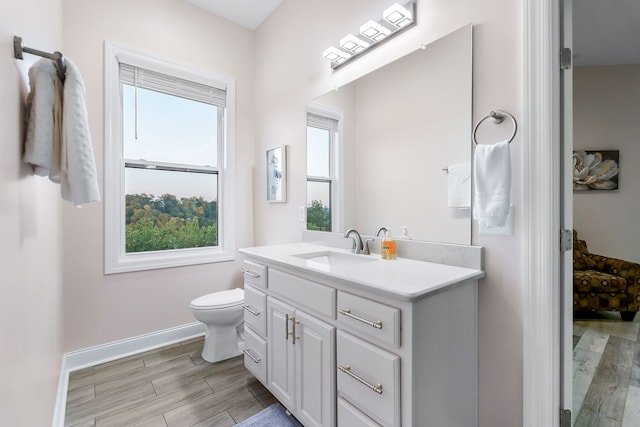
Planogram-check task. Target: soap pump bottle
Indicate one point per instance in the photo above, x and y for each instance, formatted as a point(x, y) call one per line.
point(405, 233)
point(388, 246)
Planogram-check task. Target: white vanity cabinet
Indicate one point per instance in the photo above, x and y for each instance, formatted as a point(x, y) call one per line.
point(281, 366)
point(255, 309)
point(255, 331)
point(369, 378)
point(301, 360)
point(255, 319)
point(255, 354)
point(301, 347)
point(380, 323)
point(342, 353)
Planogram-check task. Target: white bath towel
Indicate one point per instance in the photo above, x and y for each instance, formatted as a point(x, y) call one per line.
point(58, 141)
point(44, 120)
point(459, 185)
point(492, 176)
point(79, 181)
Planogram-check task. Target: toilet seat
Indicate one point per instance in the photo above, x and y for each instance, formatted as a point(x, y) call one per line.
point(218, 300)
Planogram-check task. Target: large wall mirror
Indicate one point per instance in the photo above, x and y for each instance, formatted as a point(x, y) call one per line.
point(381, 150)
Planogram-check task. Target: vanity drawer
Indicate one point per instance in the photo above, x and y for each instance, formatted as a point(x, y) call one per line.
point(310, 295)
point(255, 309)
point(369, 378)
point(255, 274)
point(350, 416)
point(362, 316)
point(255, 354)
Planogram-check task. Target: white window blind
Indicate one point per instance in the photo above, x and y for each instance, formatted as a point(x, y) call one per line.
point(159, 82)
point(322, 122)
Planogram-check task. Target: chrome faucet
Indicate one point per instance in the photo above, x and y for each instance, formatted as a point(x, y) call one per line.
point(357, 240)
point(366, 247)
point(381, 230)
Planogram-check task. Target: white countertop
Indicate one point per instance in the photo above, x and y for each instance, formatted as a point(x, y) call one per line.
point(401, 278)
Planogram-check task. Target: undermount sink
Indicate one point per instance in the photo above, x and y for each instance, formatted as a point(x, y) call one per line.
point(326, 260)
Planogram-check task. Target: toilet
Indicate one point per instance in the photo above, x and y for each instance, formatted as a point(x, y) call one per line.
point(222, 314)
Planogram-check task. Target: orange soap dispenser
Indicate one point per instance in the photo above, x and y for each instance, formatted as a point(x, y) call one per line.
point(388, 246)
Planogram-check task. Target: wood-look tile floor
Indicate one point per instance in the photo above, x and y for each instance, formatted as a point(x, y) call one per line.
point(606, 371)
point(166, 387)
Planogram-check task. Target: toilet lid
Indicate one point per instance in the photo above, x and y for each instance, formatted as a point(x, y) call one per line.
point(220, 299)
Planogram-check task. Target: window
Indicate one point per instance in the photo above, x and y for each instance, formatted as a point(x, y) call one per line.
point(322, 169)
point(168, 163)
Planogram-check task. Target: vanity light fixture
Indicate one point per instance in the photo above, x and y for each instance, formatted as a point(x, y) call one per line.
point(397, 16)
point(353, 44)
point(335, 55)
point(374, 31)
point(395, 19)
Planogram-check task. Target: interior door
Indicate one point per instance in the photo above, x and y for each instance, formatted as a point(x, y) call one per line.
point(566, 216)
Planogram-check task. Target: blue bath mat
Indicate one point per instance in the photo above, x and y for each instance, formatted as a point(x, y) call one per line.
point(272, 416)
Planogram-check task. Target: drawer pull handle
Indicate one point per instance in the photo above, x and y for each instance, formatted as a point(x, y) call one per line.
point(347, 370)
point(251, 273)
point(251, 356)
point(347, 312)
point(250, 310)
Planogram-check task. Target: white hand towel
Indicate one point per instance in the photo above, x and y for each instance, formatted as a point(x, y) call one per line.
point(459, 185)
point(492, 176)
point(79, 183)
point(44, 120)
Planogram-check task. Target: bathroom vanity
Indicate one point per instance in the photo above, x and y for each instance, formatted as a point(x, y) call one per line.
point(354, 340)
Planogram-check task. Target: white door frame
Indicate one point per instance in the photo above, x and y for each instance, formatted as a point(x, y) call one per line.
point(542, 207)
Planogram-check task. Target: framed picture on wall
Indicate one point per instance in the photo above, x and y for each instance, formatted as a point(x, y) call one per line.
point(596, 170)
point(277, 174)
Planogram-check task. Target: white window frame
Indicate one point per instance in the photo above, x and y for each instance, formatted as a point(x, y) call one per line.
point(337, 165)
point(116, 259)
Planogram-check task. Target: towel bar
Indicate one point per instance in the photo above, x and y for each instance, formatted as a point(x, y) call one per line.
point(56, 56)
point(497, 117)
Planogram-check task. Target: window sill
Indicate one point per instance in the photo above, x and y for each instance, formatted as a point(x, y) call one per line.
point(141, 261)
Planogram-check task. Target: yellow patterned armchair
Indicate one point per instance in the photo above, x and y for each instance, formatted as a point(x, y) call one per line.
point(604, 284)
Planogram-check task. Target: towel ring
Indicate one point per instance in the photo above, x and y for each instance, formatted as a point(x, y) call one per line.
point(497, 117)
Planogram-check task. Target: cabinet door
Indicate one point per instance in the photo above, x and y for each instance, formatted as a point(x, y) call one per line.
point(315, 371)
point(280, 374)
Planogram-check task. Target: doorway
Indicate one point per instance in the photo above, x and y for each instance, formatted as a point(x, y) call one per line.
point(605, 89)
point(544, 363)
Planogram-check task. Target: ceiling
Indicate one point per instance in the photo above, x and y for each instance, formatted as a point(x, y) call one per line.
point(248, 13)
point(606, 32)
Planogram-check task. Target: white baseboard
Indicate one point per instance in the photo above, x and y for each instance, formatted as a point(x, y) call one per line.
point(61, 396)
point(91, 356)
